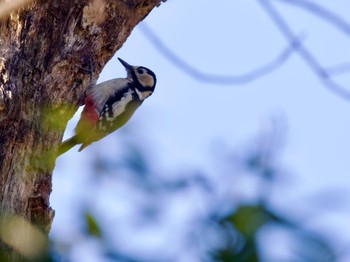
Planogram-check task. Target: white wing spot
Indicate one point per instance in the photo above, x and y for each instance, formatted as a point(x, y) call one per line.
point(119, 107)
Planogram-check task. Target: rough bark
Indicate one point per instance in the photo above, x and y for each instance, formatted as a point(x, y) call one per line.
point(44, 49)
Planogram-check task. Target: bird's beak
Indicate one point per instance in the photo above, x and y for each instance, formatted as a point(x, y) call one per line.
point(125, 64)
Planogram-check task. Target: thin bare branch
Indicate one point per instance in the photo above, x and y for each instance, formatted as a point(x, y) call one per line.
point(8, 7)
point(306, 55)
point(338, 69)
point(323, 13)
point(197, 74)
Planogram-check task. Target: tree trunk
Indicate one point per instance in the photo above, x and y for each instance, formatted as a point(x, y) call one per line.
point(46, 50)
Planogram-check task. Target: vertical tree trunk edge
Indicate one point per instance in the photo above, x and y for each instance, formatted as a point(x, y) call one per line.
point(44, 49)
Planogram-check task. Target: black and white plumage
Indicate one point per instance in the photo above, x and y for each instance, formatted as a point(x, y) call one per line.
point(109, 105)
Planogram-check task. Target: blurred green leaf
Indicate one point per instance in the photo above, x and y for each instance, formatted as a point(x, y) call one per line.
point(92, 228)
point(249, 219)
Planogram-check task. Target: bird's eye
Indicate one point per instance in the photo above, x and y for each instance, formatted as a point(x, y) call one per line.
point(140, 71)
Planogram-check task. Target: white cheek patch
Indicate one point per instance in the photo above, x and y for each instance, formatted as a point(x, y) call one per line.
point(146, 80)
point(149, 81)
point(119, 107)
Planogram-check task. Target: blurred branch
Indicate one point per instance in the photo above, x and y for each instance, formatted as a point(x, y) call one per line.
point(195, 73)
point(331, 18)
point(323, 13)
point(7, 7)
point(306, 55)
point(338, 69)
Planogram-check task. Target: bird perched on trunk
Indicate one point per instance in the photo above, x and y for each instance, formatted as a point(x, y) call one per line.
point(109, 105)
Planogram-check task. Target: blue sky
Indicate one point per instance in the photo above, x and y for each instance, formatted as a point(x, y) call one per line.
point(185, 119)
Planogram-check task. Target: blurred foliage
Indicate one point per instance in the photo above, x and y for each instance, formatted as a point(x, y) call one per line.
point(246, 222)
point(231, 229)
point(92, 228)
point(22, 241)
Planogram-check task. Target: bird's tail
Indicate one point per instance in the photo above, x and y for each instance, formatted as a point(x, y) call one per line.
point(67, 144)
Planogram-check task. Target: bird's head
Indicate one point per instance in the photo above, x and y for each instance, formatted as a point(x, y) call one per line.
point(143, 78)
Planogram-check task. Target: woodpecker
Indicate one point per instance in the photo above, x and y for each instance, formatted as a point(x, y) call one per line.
point(109, 105)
